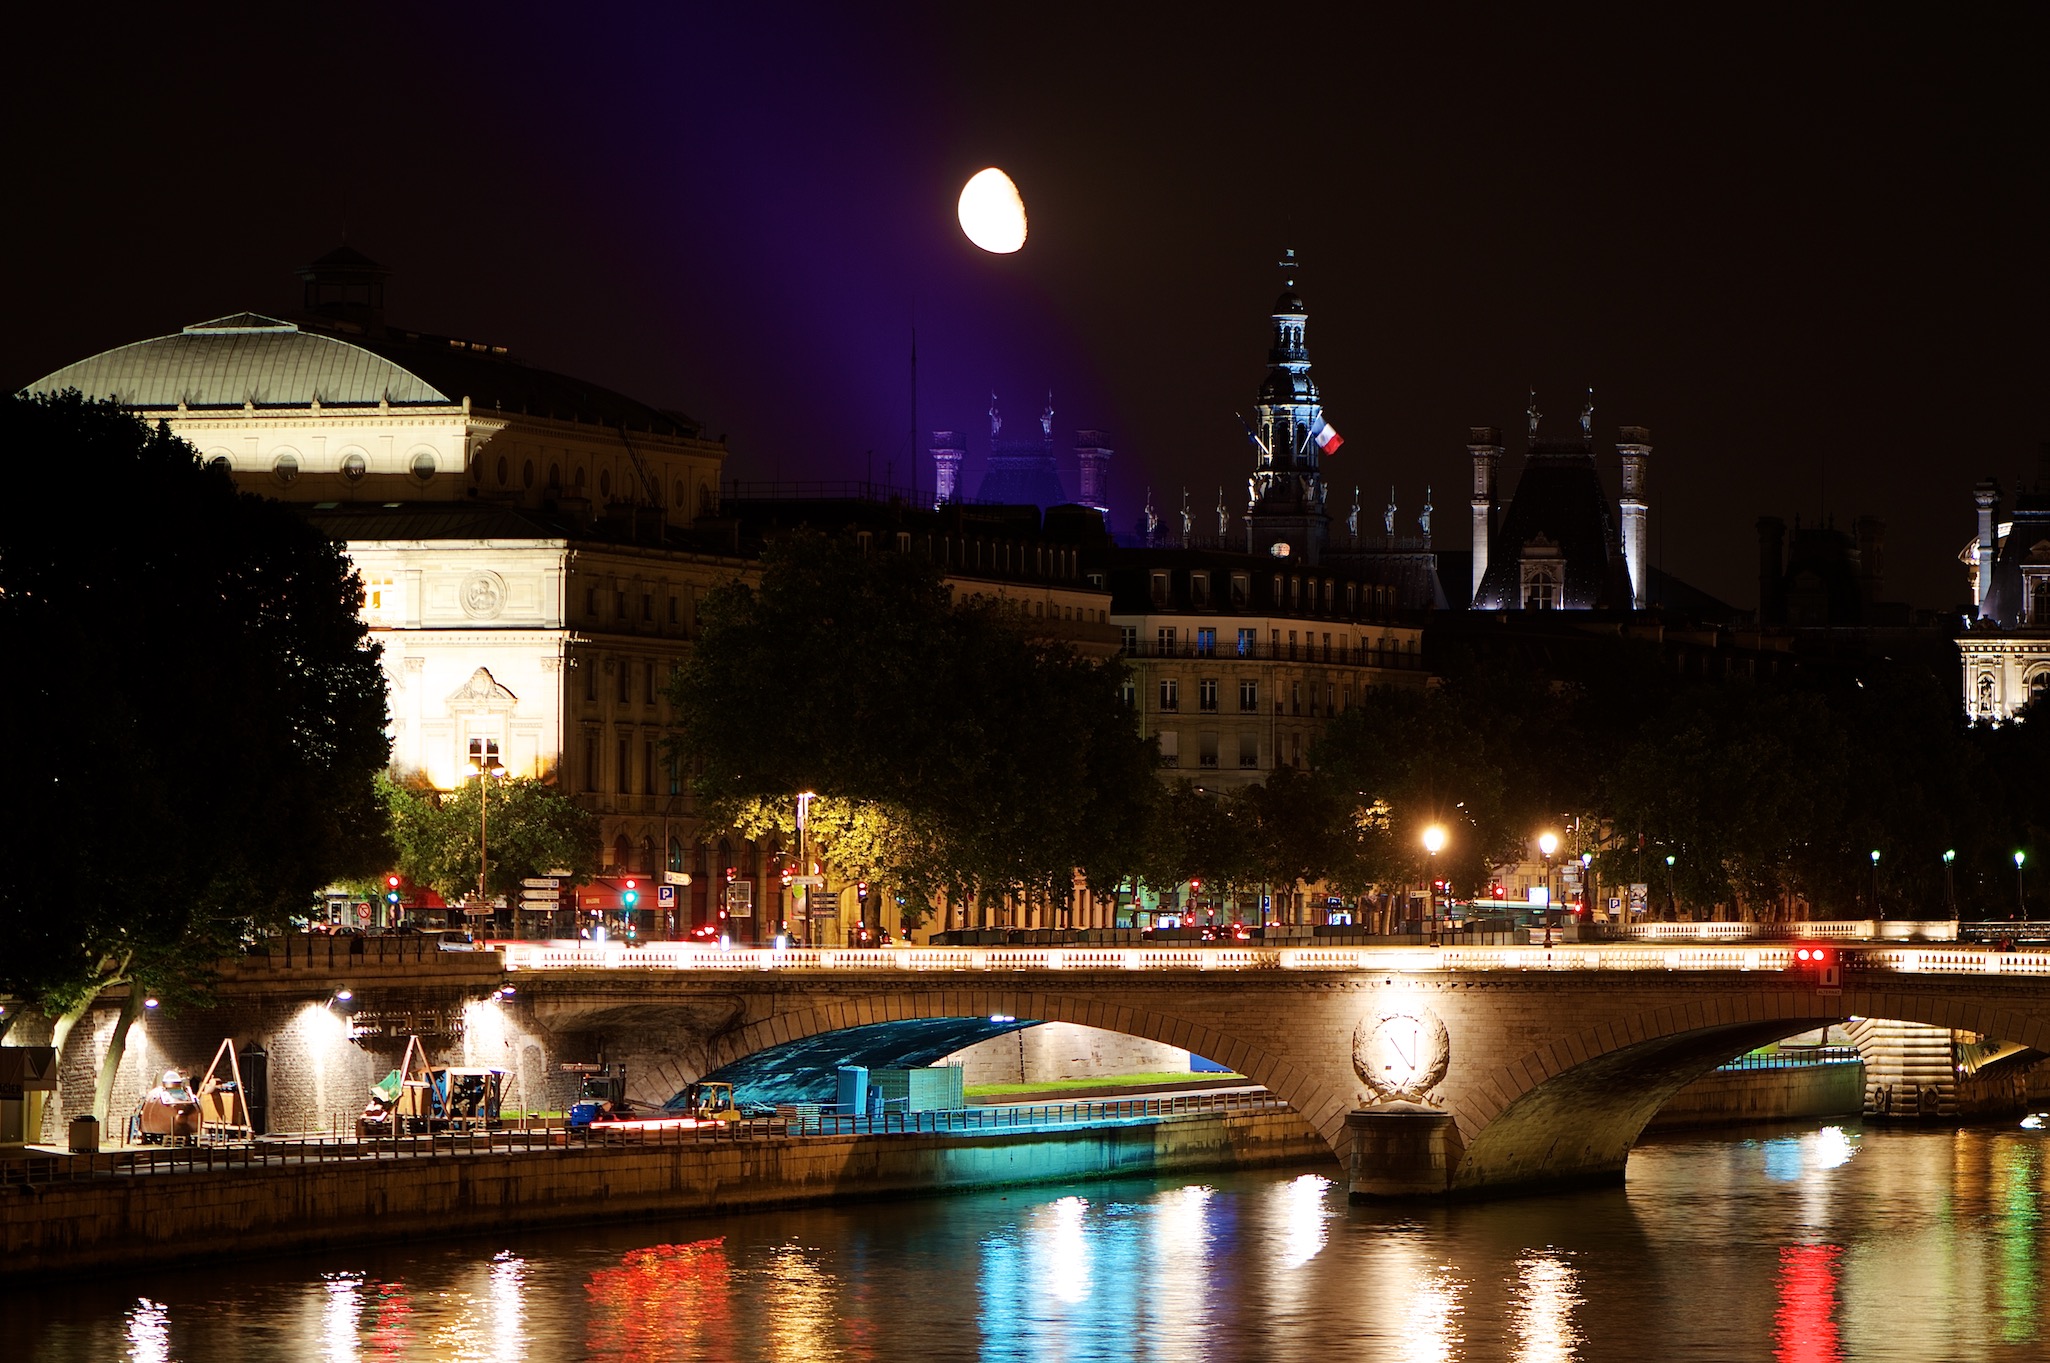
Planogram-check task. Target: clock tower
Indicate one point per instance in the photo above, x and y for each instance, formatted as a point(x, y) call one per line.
point(1285, 496)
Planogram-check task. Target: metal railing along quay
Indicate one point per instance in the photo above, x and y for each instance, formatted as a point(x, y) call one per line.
point(1605, 956)
point(33, 1171)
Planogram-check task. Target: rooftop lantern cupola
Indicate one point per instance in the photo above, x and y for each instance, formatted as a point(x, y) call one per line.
point(1285, 496)
point(347, 287)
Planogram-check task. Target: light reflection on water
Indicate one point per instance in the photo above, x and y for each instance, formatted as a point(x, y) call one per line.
point(1815, 1246)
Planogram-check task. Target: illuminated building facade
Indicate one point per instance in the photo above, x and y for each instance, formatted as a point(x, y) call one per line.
point(523, 537)
point(2007, 649)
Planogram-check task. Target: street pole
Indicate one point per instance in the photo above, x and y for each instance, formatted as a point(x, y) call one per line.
point(1949, 882)
point(2019, 894)
point(1878, 912)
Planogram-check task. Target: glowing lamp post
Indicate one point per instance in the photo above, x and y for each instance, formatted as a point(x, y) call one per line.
point(1949, 884)
point(1672, 896)
point(484, 761)
point(1434, 843)
point(1548, 843)
point(1877, 910)
point(2019, 858)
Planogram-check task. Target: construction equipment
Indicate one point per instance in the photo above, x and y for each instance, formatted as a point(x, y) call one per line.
point(707, 1101)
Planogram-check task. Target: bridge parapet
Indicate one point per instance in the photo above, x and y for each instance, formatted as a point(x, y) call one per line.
point(1621, 957)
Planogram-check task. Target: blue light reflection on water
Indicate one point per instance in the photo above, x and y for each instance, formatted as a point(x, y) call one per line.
point(1815, 1246)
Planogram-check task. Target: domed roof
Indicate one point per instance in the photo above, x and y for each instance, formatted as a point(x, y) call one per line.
point(1289, 304)
point(244, 358)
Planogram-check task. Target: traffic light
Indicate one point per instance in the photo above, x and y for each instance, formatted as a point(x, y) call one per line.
point(1820, 962)
point(629, 896)
point(391, 890)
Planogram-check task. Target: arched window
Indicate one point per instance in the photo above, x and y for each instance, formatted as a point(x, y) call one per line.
point(647, 861)
point(675, 854)
point(2039, 686)
point(621, 850)
point(2039, 600)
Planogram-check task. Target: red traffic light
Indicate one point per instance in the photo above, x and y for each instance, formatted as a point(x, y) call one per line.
point(629, 884)
point(392, 881)
point(1812, 956)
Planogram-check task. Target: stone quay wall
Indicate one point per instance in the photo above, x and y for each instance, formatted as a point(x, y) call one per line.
point(111, 1222)
point(1735, 1097)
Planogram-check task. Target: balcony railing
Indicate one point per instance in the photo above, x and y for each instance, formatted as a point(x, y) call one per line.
point(1267, 652)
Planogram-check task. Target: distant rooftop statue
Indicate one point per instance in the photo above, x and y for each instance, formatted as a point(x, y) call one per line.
point(1587, 417)
point(1188, 523)
point(1352, 521)
point(1424, 520)
point(996, 418)
point(1223, 515)
point(1388, 516)
point(1046, 417)
point(1532, 412)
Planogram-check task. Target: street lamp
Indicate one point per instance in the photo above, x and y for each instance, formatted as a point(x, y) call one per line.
point(484, 761)
point(2019, 858)
point(1587, 885)
point(1877, 911)
point(1548, 843)
point(1434, 843)
point(1672, 896)
point(1949, 884)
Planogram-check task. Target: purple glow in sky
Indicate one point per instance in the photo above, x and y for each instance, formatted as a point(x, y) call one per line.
point(1803, 246)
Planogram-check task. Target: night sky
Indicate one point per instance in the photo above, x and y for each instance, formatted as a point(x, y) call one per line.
point(1808, 246)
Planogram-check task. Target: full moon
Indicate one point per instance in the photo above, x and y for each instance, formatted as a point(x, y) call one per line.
point(991, 212)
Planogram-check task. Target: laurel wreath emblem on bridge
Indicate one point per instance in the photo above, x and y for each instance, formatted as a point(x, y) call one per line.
point(1402, 1055)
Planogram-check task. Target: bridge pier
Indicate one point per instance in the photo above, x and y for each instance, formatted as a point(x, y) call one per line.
point(1402, 1150)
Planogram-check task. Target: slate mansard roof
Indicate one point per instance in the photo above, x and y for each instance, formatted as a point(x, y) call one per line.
point(262, 361)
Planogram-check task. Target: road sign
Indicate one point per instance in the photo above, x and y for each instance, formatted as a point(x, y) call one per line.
point(1615, 904)
point(541, 883)
point(541, 896)
point(363, 913)
point(676, 877)
point(665, 896)
point(809, 882)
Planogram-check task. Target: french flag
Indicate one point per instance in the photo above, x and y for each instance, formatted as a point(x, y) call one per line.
point(1326, 435)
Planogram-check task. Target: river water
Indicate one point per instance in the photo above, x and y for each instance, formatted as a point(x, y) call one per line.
point(1797, 1244)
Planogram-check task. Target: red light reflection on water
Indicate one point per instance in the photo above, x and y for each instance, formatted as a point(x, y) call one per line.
point(1804, 1327)
point(391, 1334)
point(662, 1300)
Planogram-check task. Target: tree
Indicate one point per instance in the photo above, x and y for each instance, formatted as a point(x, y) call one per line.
point(194, 715)
point(533, 829)
point(953, 751)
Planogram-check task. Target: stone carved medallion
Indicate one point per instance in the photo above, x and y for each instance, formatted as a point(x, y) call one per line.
point(483, 596)
point(1402, 1055)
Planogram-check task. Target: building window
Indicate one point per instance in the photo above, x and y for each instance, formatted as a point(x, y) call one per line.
point(1170, 694)
point(605, 483)
point(1129, 694)
point(674, 770)
point(619, 605)
point(648, 684)
point(648, 764)
point(1159, 588)
point(527, 474)
point(286, 468)
point(1249, 750)
point(1331, 698)
point(1206, 643)
point(626, 681)
point(591, 603)
point(423, 465)
point(626, 771)
point(1291, 645)
point(648, 606)
point(1327, 648)
point(1206, 749)
point(1241, 588)
point(676, 846)
point(591, 782)
point(1165, 636)
point(1249, 696)
point(1206, 695)
point(2039, 599)
point(1199, 589)
point(1248, 639)
point(1540, 592)
point(1128, 639)
point(2039, 687)
point(672, 611)
point(354, 466)
point(589, 667)
point(1295, 697)
point(1170, 748)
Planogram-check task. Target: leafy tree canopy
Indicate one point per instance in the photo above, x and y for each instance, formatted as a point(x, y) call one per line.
point(949, 749)
point(531, 828)
point(194, 716)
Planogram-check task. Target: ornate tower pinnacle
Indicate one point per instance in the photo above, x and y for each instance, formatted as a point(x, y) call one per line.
point(1285, 516)
point(1634, 445)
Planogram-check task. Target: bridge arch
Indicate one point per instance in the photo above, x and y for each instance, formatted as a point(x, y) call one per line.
point(1292, 1082)
point(1573, 1107)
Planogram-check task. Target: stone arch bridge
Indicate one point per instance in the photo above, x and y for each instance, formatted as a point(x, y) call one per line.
point(1429, 1071)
